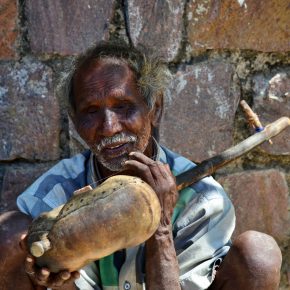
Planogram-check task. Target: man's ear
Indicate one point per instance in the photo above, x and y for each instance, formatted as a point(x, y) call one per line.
point(157, 111)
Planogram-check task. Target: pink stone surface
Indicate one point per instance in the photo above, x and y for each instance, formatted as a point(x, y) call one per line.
point(261, 201)
point(271, 102)
point(244, 24)
point(65, 28)
point(157, 24)
point(8, 29)
point(29, 112)
point(198, 122)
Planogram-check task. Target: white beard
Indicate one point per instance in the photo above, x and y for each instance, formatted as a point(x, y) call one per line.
point(114, 164)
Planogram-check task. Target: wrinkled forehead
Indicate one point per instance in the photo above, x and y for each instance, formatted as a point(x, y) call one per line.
point(104, 68)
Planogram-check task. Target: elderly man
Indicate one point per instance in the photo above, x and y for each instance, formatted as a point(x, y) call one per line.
point(116, 95)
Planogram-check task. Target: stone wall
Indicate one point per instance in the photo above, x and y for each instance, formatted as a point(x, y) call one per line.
point(219, 53)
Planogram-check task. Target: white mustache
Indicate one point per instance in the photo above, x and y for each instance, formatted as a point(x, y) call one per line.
point(118, 138)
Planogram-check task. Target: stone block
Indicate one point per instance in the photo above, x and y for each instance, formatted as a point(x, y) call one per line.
point(29, 112)
point(8, 29)
point(252, 24)
point(271, 102)
point(198, 122)
point(157, 24)
point(67, 28)
point(261, 201)
point(15, 179)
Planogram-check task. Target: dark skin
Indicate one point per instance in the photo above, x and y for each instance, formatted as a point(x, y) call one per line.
point(162, 271)
point(108, 103)
point(11, 269)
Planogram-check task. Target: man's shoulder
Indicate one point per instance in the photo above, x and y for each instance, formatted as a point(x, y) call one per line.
point(177, 162)
point(55, 186)
point(68, 167)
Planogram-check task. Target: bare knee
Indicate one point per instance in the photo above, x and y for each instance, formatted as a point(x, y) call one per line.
point(253, 262)
point(259, 255)
point(13, 225)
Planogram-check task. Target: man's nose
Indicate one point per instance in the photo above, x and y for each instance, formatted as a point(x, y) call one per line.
point(111, 123)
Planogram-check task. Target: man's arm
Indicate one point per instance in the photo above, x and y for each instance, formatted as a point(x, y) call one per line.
point(162, 271)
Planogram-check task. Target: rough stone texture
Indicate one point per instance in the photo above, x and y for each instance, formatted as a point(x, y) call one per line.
point(14, 179)
point(198, 123)
point(8, 29)
point(261, 201)
point(240, 24)
point(29, 112)
point(157, 24)
point(65, 28)
point(272, 101)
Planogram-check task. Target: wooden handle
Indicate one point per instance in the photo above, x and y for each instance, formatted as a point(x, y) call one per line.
point(252, 118)
point(210, 165)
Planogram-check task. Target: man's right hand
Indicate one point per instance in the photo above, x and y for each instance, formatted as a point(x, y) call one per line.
point(17, 268)
point(42, 278)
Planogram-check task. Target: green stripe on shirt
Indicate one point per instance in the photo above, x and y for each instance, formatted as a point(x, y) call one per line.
point(108, 272)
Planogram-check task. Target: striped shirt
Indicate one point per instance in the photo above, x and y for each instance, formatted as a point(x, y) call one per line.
point(203, 222)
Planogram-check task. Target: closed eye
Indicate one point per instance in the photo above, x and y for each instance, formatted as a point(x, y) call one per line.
point(93, 110)
point(124, 106)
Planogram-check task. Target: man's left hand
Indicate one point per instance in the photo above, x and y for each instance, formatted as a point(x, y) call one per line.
point(160, 178)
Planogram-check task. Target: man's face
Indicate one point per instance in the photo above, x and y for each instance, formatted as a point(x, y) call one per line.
point(111, 116)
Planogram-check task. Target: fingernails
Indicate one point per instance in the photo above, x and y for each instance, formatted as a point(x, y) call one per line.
point(65, 275)
point(29, 260)
point(44, 272)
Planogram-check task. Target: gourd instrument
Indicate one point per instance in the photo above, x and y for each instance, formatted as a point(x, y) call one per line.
point(122, 212)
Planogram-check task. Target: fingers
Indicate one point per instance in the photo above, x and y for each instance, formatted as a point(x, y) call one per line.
point(38, 276)
point(43, 277)
point(29, 266)
point(73, 276)
point(157, 169)
point(59, 279)
point(141, 170)
point(141, 157)
point(155, 173)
